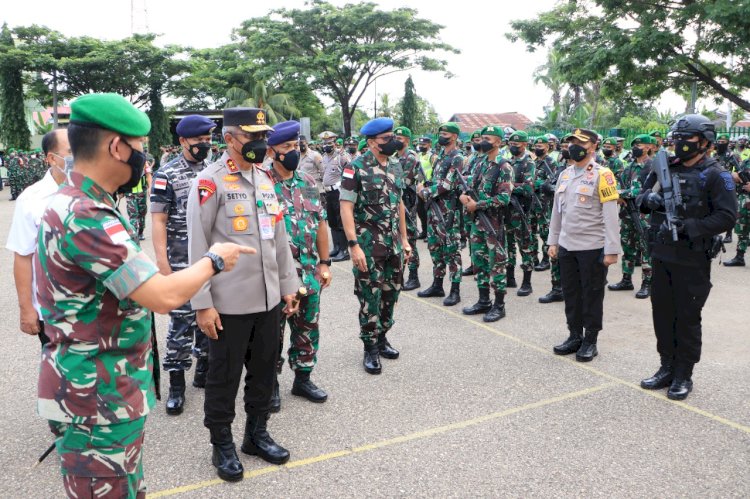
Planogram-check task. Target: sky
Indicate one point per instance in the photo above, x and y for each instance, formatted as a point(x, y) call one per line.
point(492, 74)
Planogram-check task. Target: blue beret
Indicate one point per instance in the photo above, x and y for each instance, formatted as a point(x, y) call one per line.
point(194, 125)
point(284, 132)
point(377, 126)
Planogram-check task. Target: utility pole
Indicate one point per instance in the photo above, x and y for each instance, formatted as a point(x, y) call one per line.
point(696, 54)
point(729, 103)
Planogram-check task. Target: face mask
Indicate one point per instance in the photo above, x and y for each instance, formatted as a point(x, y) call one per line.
point(290, 160)
point(608, 153)
point(303, 148)
point(476, 146)
point(637, 152)
point(485, 146)
point(351, 150)
point(722, 148)
point(685, 150)
point(424, 149)
point(538, 152)
point(328, 149)
point(199, 151)
point(444, 141)
point(741, 146)
point(564, 154)
point(390, 147)
point(515, 150)
point(136, 161)
point(400, 145)
point(254, 151)
point(731, 147)
point(577, 153)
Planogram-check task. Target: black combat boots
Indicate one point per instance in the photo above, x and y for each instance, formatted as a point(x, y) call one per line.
point(176, 400)
point(682, 384)
point(543, 265)
point(588, 350)
point(645, 290)
point(343, 253)
point(510, 277)
point(435, 290)
point(258, 442)
point(525, 289)
point(497, 311)
point(737, 261)
point(412, 282)
point(228, 465)
point(571, 345)
point(201, 372)
point(470, 270)
point(662, 378)
point(625, 285)
point(371, 360)
point(386, 350)
point(455, 295)
point(275, 404)
point(555, 295)
point(483, 305)
point(304, 387)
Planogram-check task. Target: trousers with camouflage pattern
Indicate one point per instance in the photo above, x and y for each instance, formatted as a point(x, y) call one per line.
point(489, 258)
point(183, 338)
point(137, 206)
point(304, 331)
point(377, 289)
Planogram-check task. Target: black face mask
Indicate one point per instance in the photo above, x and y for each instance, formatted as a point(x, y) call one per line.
point(424, 149)
point(577, 153)
point(199, 151)
point(328, 149)
point(289, 161)
point(608, 153)
point(722, 148)
point(485, 146)
point(476, 146)
point(444, 141)
point(515, 150)
point(303, 147)
point(564, 154)
point(686, 150)
point(740, 146)
point(400, 145)
point(254, 151)
point(351, 150)
point(390, 147)
point(539, 152)
point(136, 161)
point(637, 152)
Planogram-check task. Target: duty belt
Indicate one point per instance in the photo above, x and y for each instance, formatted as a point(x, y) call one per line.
point(333, 187)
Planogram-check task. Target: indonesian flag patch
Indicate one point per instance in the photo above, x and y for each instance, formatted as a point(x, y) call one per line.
point(116, 231)
point(160, 184)
point(348, 173)
point(206, 189)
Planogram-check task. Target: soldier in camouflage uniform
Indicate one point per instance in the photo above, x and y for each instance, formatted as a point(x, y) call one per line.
point(96, 285)
point(471, 163)
point(137, 202)
point(742, 227)
point(413, 176)
point(517, 222)
point(544, 188)
point(169, 195)
point(556, 293)
point(491, 184)
point(374, 219)
point(307, 229)
point(441, 198)
point(731, 162)
point(629, 182)
point(12, 165)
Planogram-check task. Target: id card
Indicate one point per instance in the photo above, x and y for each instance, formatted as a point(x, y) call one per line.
point(266, 227)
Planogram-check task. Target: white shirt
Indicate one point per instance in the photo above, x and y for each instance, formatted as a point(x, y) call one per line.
point(27, 216)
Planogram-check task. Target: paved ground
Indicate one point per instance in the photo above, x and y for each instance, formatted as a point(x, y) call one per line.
point(469, 410)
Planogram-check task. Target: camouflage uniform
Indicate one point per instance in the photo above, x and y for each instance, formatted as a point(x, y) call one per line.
point(472, 164)
point(137, 202)
point(303, 214)
point(630, 187)
point(517, 235)
point(443, 241)
point(742, 227)
point(413, 176)
point(376, 194)
point(95, 378)
point(541, 212)
point(169, 195)
point(13, 173)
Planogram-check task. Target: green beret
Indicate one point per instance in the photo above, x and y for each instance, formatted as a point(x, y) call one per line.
point(655, 133)
point(643, 139)
point(111, 112)
point(403, 131)
point(340, 141)
point(476, 134)
point(612, 141)
point(542, 139)
point(450, 127)
point(493, 130)
point(362, 144)
point(723, 136)
point(519, 136)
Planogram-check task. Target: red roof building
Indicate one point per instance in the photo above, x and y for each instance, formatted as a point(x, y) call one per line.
point(474, 121)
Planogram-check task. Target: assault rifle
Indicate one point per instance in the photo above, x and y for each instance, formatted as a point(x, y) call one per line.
point(482, 217)
point(670, 188)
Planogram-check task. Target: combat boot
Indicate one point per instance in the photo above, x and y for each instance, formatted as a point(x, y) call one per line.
point(275, 404)
point(588, 350)
point(304, 387)
point(571, 345)
point(455, 295)
point(555, 295)
point(483, 305)
point(224, 458)
point(386, 349)
point(661, 379)
point(728, 237)
point(372, 359)
point(543, 265)
point(682, 384)
point(413, 281)
point(737, 261)
point(497, 311)
point(625, 285)
point(436, 289)
point(510, 276)
point(258, 442)
point(470, 270)
point(201, 372)
point(525, 289)
point(645, 290)
point(176, 399)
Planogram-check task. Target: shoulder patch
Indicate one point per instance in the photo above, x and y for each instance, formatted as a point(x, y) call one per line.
point(116, 231)
point(607, 186)
point(728, 180)
point(348, 173)
point(206, 189)
point(160, 184)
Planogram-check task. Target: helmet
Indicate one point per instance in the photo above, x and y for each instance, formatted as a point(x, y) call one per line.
point(695, 124)
point(508, 130)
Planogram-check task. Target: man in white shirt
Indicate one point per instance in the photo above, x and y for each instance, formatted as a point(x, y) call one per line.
point(22, 239)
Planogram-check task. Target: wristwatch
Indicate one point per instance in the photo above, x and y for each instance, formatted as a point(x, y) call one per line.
point(325, 262)
point(216, 261)
point(352, 243)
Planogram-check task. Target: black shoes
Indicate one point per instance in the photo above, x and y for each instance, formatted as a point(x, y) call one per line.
point(681, 385)
point(201, 373)
point(661, 379)
point(737, 261)
point(543, 265)
point(497, 311)
point(482, 306)
point(224, 457)
point(435, 290)
point(412, 282)
point(645, 290)
point(555, 295)
point(510, 277)
point(455, 295)
point(625, 285)
point(571, 345)
point(588, 350)
point(341, 256)
point(468, 271)
point(258, 442)
point(728, 237)
point(275, 404)
point(525, 289)
point(176, 399)
point(372, 359)
point(422, 235)
point(340, 242)
point(307, 389)
point(386, 350)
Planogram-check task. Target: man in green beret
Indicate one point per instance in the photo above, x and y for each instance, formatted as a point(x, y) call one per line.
point(518, 226)
point(413, 176)
point(544, 189)
point(470, 165)
point(427, 158)
point(96, 288)
point(731, 162)
point(609, 150)
point(443, 236)
point(658, 137)
point(629, 182)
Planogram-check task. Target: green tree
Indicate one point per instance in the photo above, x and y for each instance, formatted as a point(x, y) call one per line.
point(14, 132)
point(278, 106)
point(639, 51)
point(341, 51)
point(159, 135)
point(409, 107)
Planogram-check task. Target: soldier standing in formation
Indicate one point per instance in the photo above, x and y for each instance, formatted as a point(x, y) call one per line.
point(413, 176)
point(471, 163)
point(518, 228)
point(334, 162)
point(743, 220)
point(427, 159)
point(544, 189)
point(169, 196)
point(375, 222)
point(311, 163)
point(137, 201)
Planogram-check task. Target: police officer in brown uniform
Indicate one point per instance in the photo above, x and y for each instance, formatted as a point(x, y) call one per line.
point(584, 235)
point(234, 200)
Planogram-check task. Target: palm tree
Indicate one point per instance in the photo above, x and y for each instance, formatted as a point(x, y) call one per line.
point(278, 106)
point(549, 75)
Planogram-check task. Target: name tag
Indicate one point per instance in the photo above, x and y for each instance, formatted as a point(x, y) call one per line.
point(266, 227)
